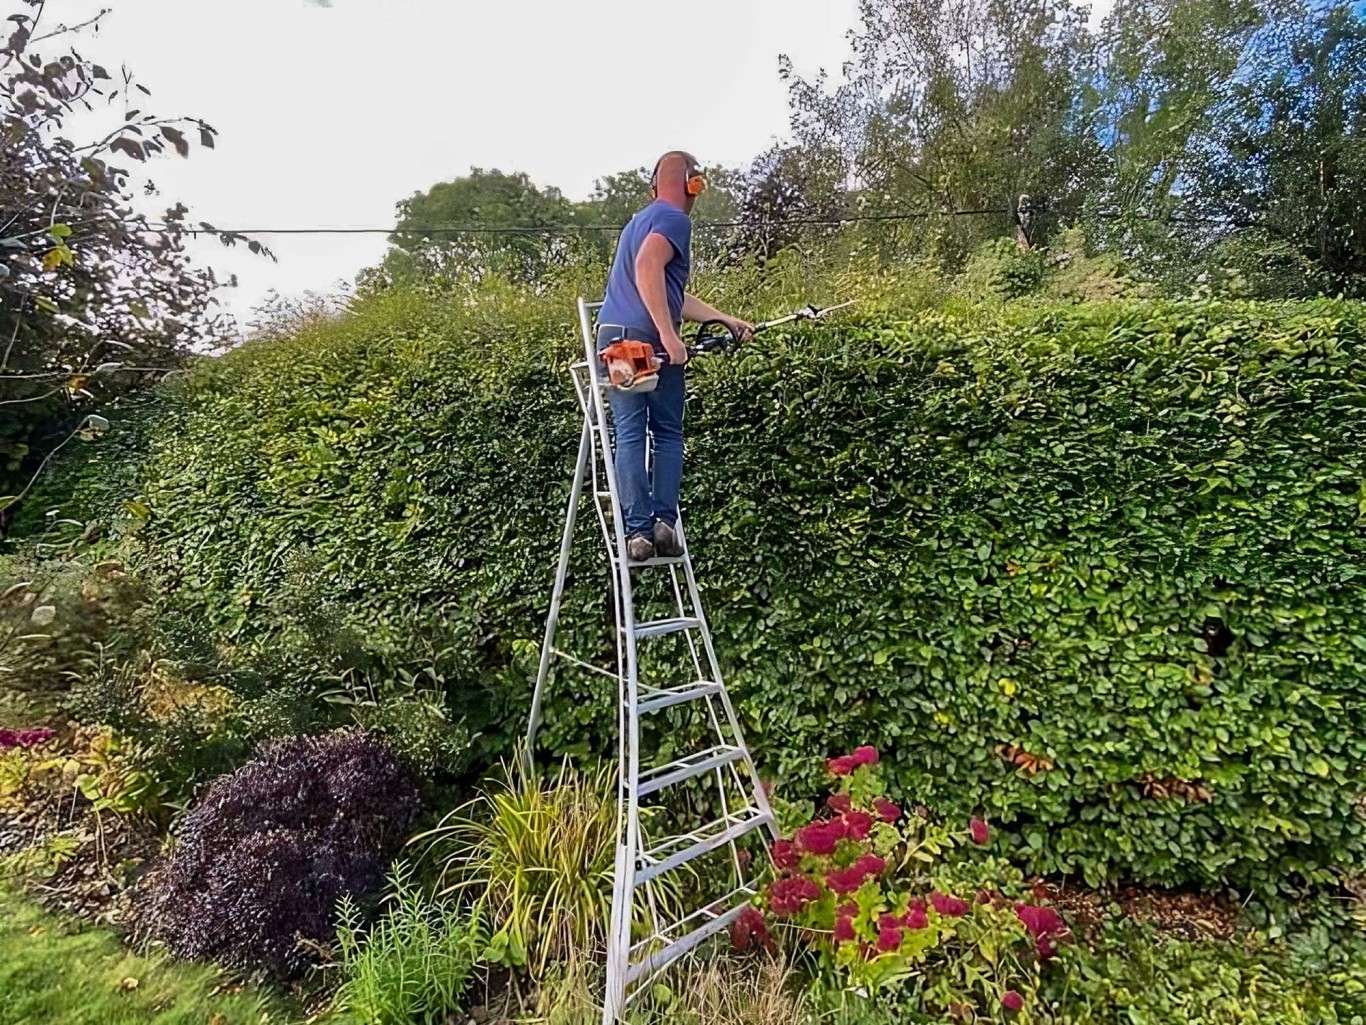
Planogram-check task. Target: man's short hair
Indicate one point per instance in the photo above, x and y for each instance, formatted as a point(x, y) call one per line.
point(688, 158)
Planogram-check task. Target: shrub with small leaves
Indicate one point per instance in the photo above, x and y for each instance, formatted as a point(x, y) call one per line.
point(1000, 268)
point(1093, 569)
point(261, 863)
point(421, 734)
point(1131, 971)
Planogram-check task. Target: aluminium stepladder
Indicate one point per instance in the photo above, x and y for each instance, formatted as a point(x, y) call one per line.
point(641, 859)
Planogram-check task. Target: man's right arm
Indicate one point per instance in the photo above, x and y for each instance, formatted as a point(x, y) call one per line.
point(651, 259)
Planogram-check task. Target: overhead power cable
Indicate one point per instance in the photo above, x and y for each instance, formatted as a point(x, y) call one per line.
point(565, 229)
point(203, 228)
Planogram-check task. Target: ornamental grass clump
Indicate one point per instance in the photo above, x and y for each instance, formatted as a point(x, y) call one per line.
point(261, 863)
point(535, 856)
point(886, 914)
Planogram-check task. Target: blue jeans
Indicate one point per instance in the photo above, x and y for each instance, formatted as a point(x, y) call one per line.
point(647, 494)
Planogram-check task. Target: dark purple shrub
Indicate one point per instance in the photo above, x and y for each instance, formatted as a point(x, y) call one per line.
point(261, 862)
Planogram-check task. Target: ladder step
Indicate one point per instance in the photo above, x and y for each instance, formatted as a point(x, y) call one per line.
point(658, 560)
point(686, 768)
point(660, 627)
point(672, 853)
point(685, 943)
point(652, 699)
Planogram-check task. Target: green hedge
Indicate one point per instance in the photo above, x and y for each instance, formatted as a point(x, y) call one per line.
point(1124, 540)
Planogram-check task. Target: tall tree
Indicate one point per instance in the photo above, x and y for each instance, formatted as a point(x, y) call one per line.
point(954, 105)
point(615, 198)
point(466, 226)
point(1163, 69)
point(791, 194)
point(94, 298)
point(1286, 162)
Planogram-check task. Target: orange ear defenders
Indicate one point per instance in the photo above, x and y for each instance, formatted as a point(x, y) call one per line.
point(695, 185)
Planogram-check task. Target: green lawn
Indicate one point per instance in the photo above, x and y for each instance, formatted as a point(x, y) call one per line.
point(54, 972)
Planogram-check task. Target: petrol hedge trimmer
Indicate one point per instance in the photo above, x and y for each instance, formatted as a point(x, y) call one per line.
point(633, 366)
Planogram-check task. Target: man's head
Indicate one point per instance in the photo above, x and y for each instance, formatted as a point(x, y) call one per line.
point(678, 179)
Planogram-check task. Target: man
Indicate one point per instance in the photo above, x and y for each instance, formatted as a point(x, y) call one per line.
point(646, 302)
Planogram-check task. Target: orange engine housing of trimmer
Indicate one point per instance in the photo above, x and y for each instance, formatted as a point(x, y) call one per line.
point(631, 366)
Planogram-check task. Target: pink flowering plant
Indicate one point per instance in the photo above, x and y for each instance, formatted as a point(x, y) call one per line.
point(10, 738)
point(917, 913)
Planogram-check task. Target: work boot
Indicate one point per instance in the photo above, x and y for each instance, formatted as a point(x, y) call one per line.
point(666, 541)
point(639, 548)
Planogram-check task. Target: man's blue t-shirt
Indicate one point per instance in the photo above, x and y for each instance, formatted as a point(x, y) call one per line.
point(622, 304)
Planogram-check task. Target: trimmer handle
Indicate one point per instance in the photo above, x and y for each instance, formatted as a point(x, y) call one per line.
point(712, 336)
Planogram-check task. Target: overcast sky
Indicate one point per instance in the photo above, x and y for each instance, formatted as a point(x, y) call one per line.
point(330, 111)
point(328, 115)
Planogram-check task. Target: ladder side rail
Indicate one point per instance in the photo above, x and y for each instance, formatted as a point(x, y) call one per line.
point(702, 674)
point(623, 884)
point(618, 960)
point(601, 486)
point(619, 616)
point(605, 524)
point(760, 798)
point(585, 459)
point(695, 597)
point(683, 614)
point(583, 388)
point(557, 594)
point(720, 771)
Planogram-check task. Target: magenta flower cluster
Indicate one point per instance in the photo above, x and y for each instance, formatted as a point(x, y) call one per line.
point(822, 875)
point(24, 738)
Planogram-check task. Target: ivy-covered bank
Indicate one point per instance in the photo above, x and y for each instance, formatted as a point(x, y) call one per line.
point(1096, 571)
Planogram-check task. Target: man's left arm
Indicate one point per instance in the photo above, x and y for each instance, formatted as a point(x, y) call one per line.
point(695, 310)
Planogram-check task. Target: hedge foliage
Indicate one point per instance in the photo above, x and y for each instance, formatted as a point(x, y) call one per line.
point(1096, 571)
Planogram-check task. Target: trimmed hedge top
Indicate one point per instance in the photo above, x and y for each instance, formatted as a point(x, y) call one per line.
point(1097, 572)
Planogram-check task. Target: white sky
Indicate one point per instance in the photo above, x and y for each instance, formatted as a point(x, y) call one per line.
point(327, 116)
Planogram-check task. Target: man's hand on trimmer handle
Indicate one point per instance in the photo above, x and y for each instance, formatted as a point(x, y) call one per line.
point(698, 312)
point(737, 330)
point(743, 330)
